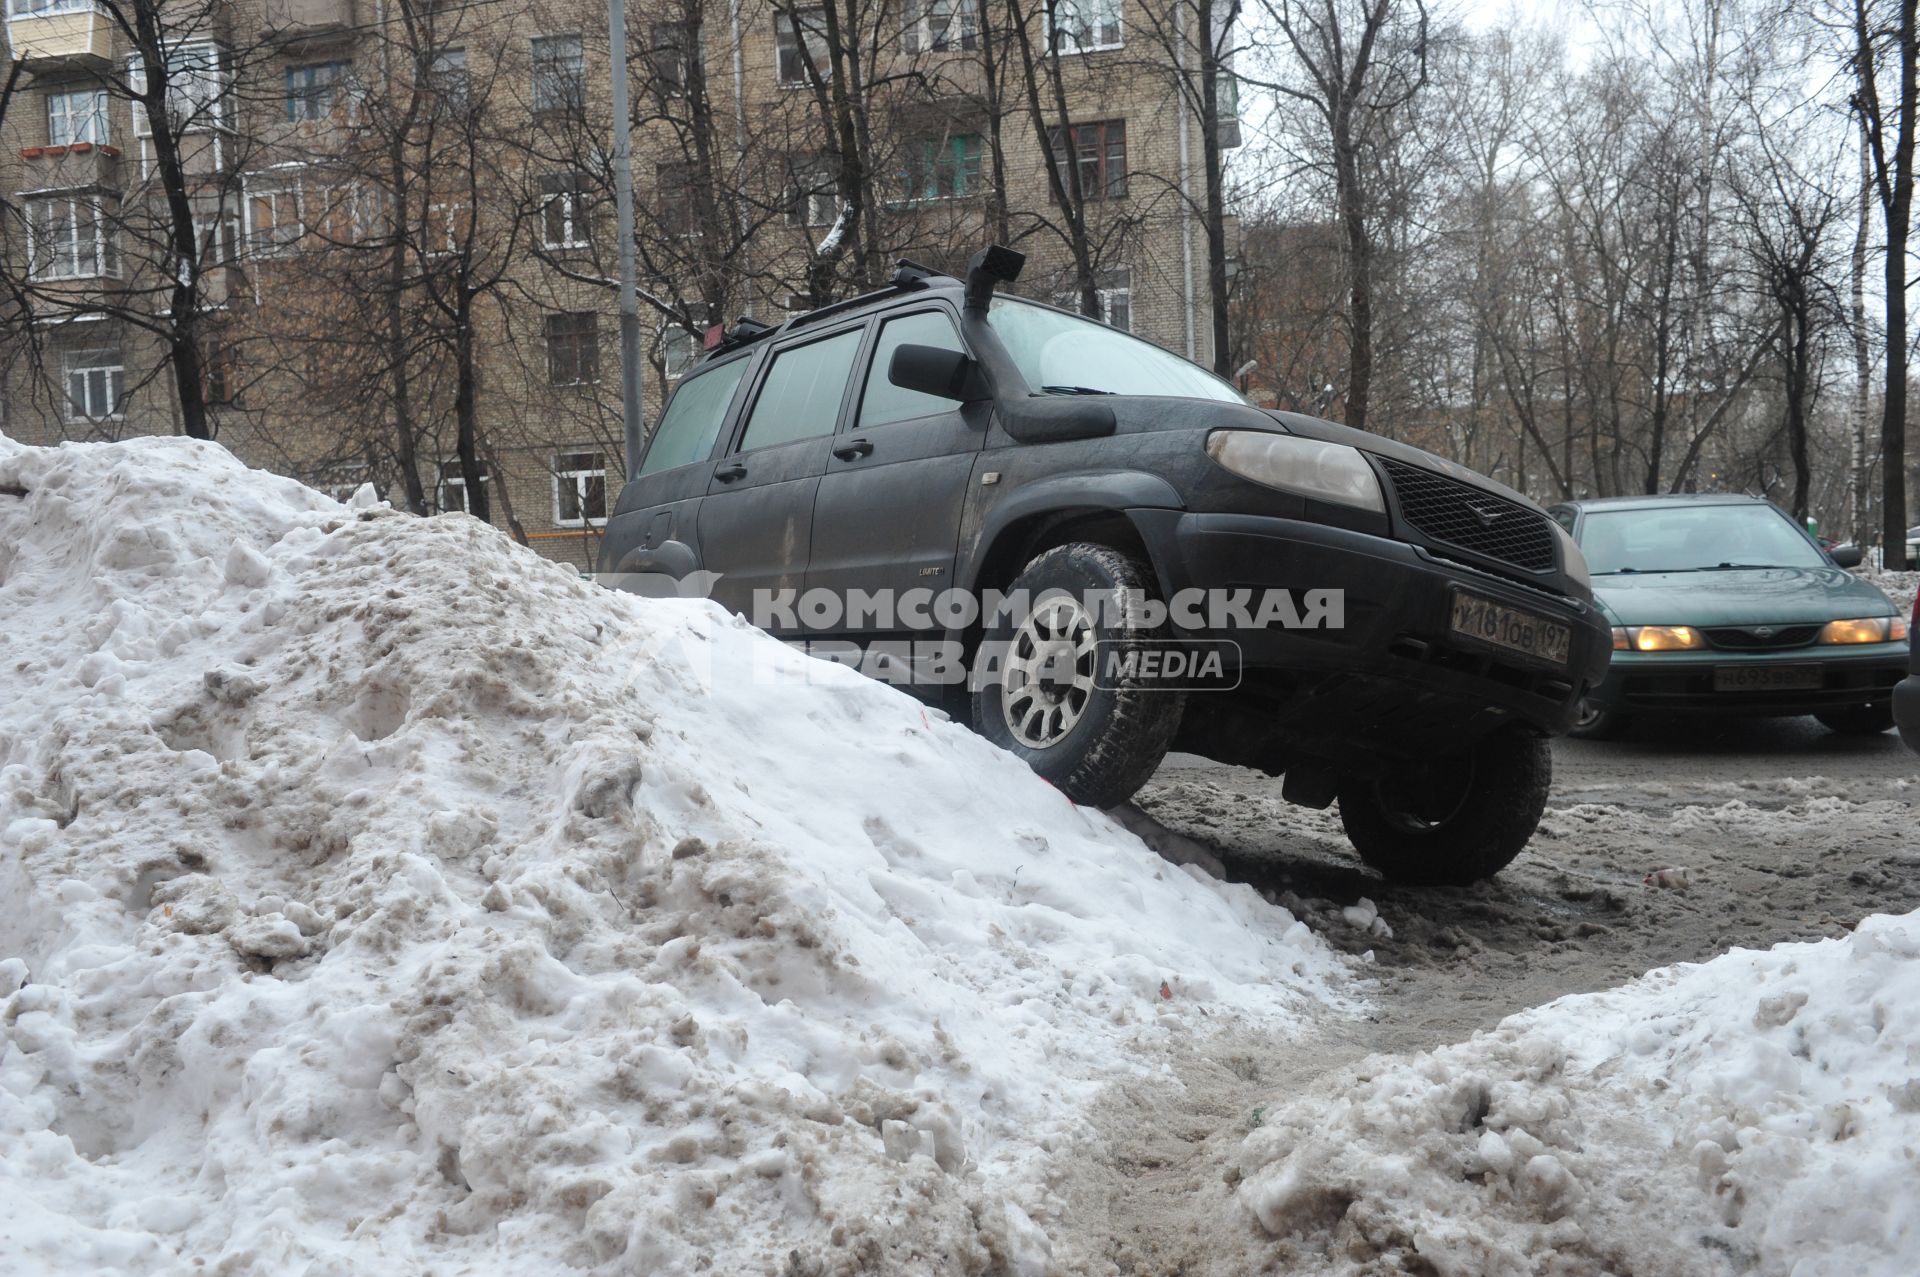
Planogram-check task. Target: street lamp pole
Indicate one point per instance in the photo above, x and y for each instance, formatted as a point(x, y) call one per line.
point(631, 408)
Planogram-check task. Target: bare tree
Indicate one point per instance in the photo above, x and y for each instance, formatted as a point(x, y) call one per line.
point(1883, 33)
point(1354, 64)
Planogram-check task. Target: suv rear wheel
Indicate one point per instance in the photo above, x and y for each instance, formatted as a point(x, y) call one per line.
point(1456, 822)
point(1097, 740)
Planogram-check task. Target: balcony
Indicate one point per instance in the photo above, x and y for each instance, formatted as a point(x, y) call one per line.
point(50, 35)
point(295, 20)
point(81, 166)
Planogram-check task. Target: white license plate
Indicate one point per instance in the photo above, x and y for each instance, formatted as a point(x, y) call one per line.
point(1766, 678)
point(1509, 627)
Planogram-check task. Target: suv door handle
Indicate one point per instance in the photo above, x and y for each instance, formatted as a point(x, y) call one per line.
point(853, 450)
point(727, 474)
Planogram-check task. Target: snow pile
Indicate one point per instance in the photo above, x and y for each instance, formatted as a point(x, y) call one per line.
point(1898, 586)
point(1756, 1113)
point(375, 897)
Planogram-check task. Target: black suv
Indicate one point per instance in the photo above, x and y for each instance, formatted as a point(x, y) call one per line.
point(1123, 557)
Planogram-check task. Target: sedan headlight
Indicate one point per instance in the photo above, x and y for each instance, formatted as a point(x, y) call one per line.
point(1328, 471)
point(1866, 629)
point(1656, 638)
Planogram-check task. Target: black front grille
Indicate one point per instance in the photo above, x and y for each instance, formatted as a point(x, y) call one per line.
point(1751, 638)
point(1462, 515)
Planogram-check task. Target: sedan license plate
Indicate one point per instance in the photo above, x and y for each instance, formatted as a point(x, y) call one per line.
point(1766, 678)
point(1509, 627)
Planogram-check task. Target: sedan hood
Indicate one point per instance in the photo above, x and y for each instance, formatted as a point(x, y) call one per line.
point(1738, 596)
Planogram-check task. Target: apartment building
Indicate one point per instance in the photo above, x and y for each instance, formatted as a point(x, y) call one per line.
point(401, 211)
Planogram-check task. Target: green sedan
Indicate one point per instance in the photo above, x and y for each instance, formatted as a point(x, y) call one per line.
point(1722, 605)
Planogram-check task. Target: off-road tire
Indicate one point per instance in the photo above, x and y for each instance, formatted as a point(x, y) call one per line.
point(1505, 793)
point(1594, 722)
point(1858, 720)
point(1123, 731)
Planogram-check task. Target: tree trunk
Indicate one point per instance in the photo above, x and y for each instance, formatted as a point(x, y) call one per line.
point(1353, 221)
point(183, 313)
point(1215, 212)
point(1858, 499)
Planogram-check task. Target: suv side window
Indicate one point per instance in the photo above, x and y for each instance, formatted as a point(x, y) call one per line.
point(881, 401)
point(1564, 516)
point(800, 396)
point(692, 421)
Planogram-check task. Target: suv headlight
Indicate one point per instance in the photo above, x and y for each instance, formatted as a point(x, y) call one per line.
point(1572, 560)
point(1328, 471)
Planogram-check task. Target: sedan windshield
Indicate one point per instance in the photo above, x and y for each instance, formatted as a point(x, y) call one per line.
point(1699, 538)
point(1063, 354)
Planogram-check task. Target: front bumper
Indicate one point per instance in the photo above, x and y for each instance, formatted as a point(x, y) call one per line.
point(1393, 670)
point(1682, 683)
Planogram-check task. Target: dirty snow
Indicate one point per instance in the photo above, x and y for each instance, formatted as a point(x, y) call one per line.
point(1756, 1113)
point(375, 897)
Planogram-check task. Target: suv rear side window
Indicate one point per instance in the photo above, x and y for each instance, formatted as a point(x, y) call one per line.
point(882, 401)
point(692, 422)
point(800, 397)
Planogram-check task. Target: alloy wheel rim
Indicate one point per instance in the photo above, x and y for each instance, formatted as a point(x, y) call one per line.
point(1048, 678)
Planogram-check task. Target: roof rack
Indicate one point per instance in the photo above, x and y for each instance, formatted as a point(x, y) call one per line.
point(719, 339)
point(908, 276)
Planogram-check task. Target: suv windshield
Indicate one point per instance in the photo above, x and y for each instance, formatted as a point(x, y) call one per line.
point(1694, 539)
point(1064, 354)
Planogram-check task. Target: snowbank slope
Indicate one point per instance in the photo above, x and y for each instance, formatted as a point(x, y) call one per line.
point(1759, 1113)
point(377, 897)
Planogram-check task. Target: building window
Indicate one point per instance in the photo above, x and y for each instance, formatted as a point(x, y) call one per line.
point(447, 229)
point(447, 77)
point(220, 374)
point(938, 168)
point(1100, 150)
point(563, 213)
point(678, 351)
point(813, 193)
point(573, 348)
point(787, 46)
point(452, 488)
point(274, 225)
point(341, 481)
point(579, 489)
point(77, 116)
point(939, 26)
point(673, 202)
point(70, 237)
point(343, 214)
point(96, 386)
point(1114, 288)
point(559, 74)
point(671, 56)
point(315, 89)
point(196, 88)
point(1082, 26)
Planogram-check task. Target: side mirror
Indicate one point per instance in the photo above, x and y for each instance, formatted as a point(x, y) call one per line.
point(933, 370)
point(1845, 556)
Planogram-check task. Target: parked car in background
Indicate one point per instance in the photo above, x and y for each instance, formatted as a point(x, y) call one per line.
point(1723, 605)
point(933, 435)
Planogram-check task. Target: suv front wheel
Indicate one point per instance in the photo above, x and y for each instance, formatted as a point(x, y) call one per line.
point(1455, 822)
point(1044, 697)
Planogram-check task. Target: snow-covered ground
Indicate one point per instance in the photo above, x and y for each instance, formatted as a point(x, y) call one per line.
point(375, 897)
point(1758, 1113)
